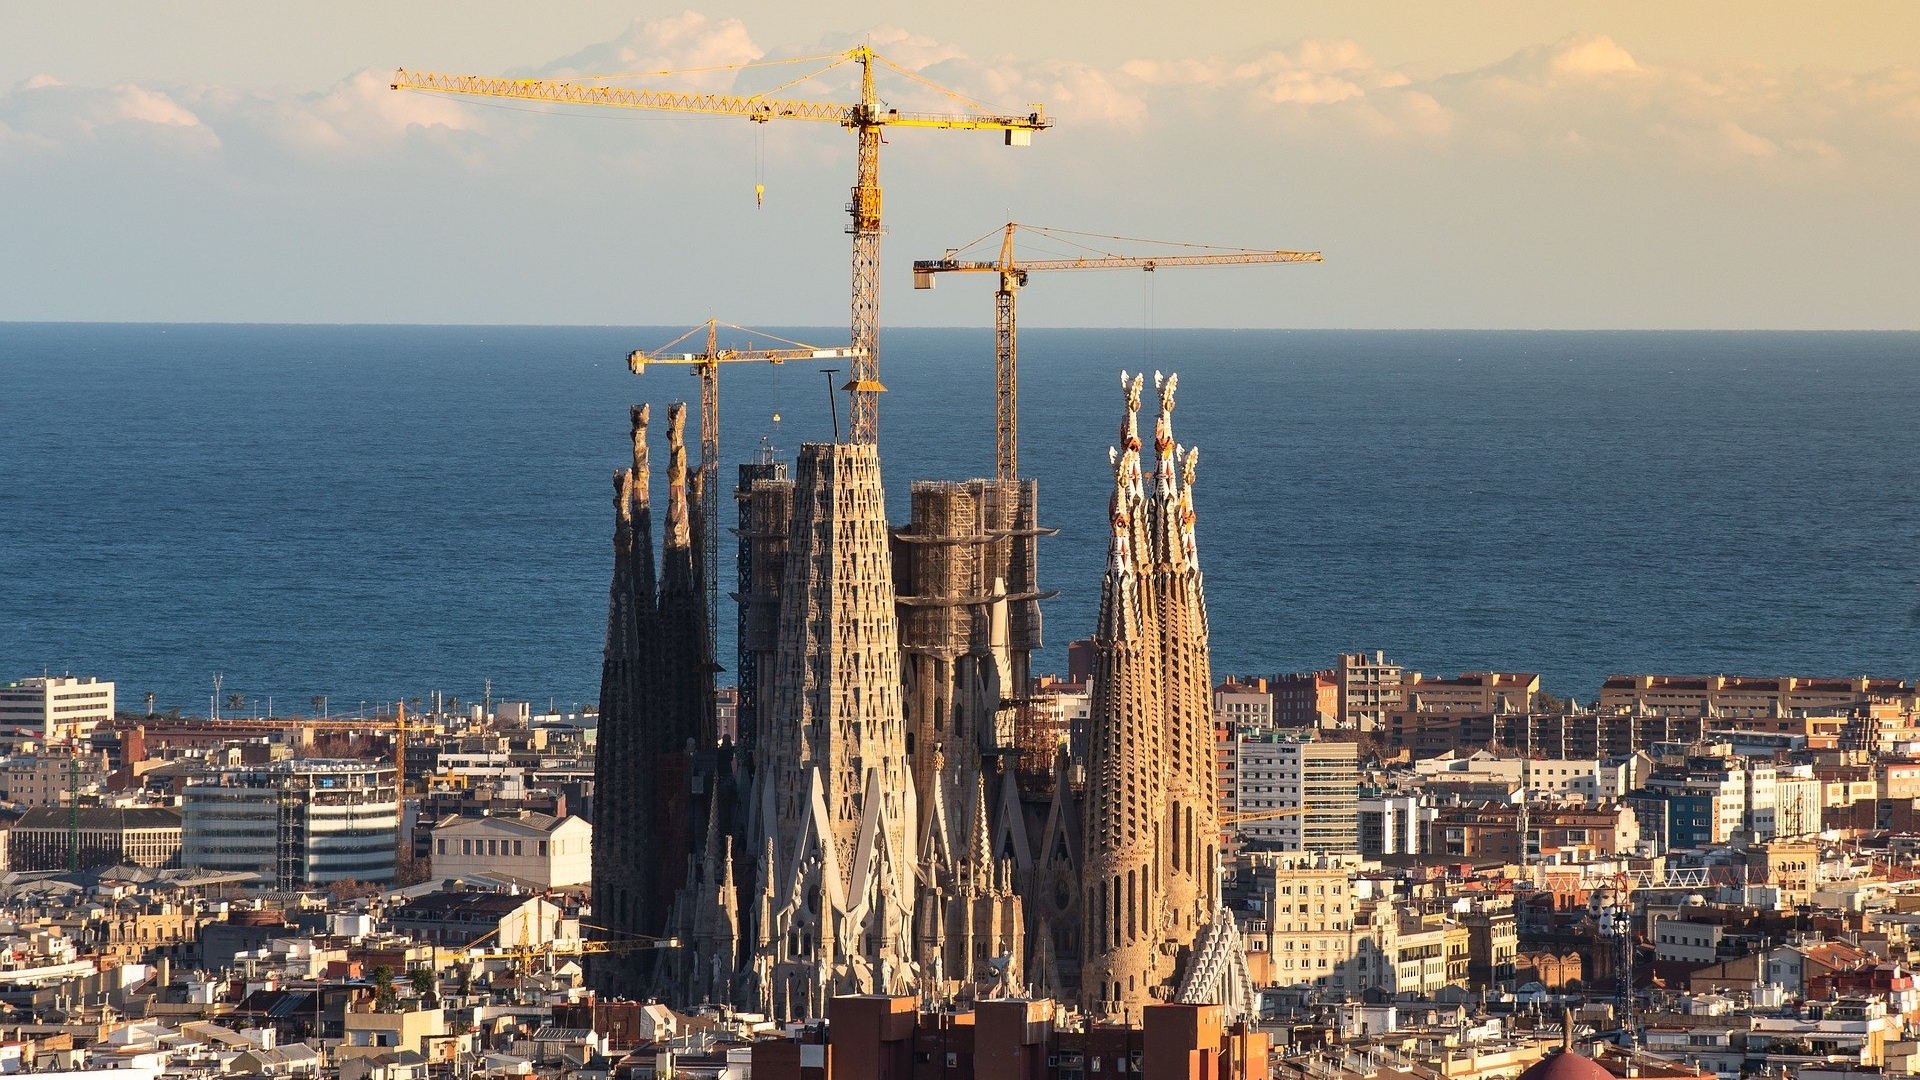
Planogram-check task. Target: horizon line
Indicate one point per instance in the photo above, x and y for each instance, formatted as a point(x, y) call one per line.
point(983, 329)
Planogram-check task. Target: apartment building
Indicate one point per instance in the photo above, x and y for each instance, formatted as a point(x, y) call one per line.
point(1306, 700)
point(1306, 934)
point(1485, 692)
point(1393, 824)
point(1240, 705)
point(1370, 688)
point(1747, 697)
point(1273, 771)
point(1542, 776)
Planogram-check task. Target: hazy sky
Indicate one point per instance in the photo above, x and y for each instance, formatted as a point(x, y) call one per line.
point(1525, 164)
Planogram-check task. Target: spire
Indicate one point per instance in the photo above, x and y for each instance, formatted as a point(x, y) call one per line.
point(678, 527)
point(980, 850)
point(1120, 608)
point(1164, 509)
point(1189, 465)
point(642, 502)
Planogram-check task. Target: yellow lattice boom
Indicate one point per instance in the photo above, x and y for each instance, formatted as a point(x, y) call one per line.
point(1013, 273)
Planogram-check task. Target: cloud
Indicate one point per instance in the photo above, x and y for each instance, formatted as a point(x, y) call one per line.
point(686, 42)
point(1739, 141)
point(362, 112)
point(1573, 58)
point(1585, 96)
point(1330, 83)
point(45, 114)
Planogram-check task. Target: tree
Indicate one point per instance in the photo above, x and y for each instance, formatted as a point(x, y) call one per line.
point(236, 702)
point(409, 870)
point(1544, 702)
point(425, 986)
point(351, 889)
point(319, 704)
point(383, 996)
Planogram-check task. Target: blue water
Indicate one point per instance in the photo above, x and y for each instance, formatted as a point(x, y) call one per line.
point(371, 513)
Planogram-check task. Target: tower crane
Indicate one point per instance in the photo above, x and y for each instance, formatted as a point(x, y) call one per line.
point(706, 365)
point(1013, 275)
point(868, 119)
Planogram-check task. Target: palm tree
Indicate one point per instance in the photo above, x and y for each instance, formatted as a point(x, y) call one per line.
point(319, 704)
point(236, 702)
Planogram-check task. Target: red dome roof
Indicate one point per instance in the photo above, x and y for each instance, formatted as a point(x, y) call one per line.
point(1566, 1065)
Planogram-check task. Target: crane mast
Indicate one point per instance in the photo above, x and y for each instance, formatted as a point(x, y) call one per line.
point(867, 118)
point(1013, 273)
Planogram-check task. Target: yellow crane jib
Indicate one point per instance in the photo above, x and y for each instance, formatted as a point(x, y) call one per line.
point(867, 118)
point(1013, 273)
point(706, 365)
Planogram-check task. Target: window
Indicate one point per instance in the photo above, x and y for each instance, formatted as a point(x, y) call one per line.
point(519, 848)
point(443, 847)
point(543, 849)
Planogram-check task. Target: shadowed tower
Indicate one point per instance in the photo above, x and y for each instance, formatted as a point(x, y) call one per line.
point(624, 793)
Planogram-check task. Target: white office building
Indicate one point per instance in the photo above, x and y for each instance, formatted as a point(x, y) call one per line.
point(1292, 792)
point(1394, 824)
point(533, 850)
point(54, 709)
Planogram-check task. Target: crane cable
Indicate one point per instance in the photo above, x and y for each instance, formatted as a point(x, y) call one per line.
point(759, 165)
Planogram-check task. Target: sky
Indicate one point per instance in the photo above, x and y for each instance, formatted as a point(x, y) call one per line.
point(1713, 164)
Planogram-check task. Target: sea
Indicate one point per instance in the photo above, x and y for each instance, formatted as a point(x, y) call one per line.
point(368, 514)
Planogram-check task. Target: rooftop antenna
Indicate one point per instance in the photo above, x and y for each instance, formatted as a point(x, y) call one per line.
point(217, 679)
point(832, 402)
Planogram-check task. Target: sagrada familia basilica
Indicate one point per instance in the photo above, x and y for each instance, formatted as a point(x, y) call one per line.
point(892, 816)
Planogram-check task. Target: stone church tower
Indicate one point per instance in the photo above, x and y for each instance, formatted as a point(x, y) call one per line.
point(837, 800)
point(893, 818)
point(1150, 826)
